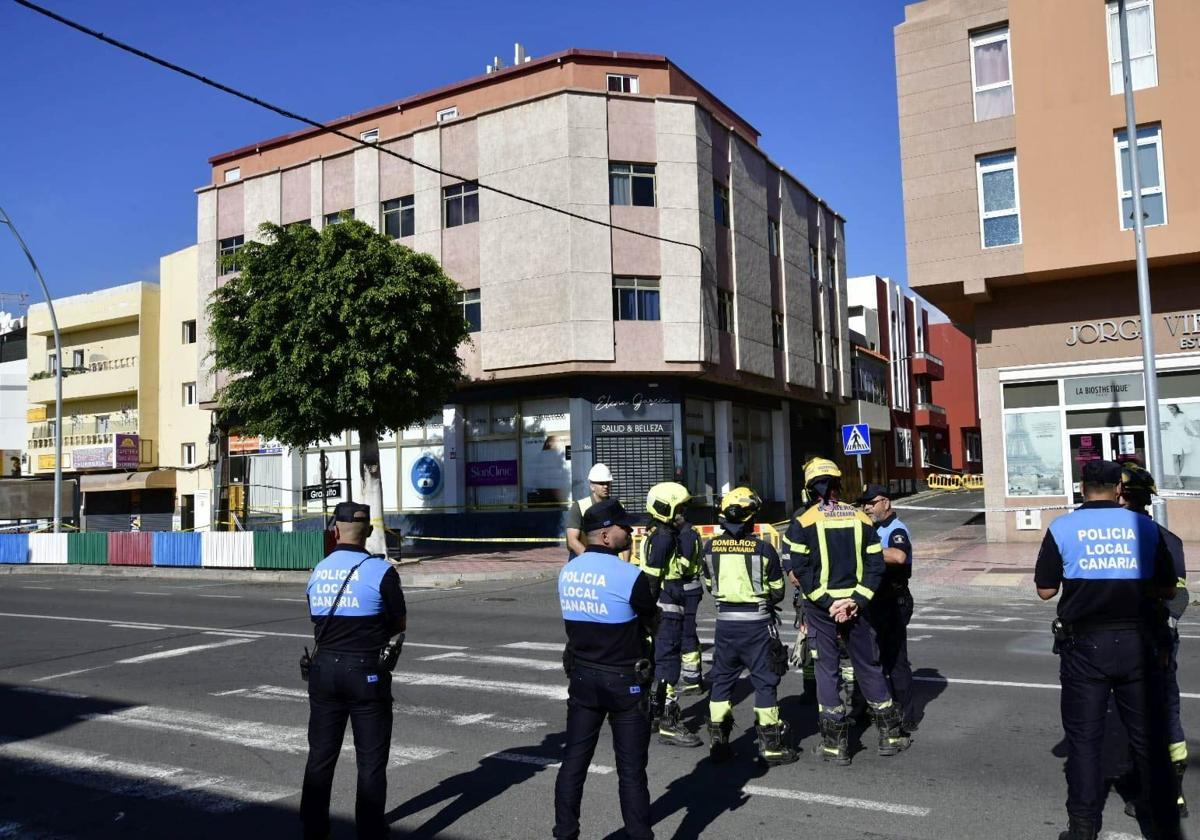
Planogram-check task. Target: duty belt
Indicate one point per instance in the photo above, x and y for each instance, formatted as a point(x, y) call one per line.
point(627, 670)
point(1099, 626)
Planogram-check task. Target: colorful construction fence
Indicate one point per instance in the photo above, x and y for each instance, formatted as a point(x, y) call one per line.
point(244, 550)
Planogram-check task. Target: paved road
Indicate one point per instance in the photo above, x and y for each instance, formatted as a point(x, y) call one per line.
point(171, 708)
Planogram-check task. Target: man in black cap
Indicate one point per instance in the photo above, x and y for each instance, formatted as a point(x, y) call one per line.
point(1114, 568)
point(892, 607)
point(357, 606)
point(609, 611)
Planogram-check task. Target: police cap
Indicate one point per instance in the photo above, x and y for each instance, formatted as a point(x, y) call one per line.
point(352, 512)
point(1101, 472)
point(874, 491)
point(607, 513)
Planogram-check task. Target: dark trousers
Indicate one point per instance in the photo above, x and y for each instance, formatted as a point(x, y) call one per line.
point(859, 640)
point(743, 644)
point(690, 642)
point(593, 696)
point(889, 615)
point(342, 686)
point(668, 641)
point(1122, 664)
point(1174, 723)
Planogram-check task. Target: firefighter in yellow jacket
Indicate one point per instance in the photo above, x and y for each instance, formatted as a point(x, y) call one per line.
point(833, 555)
point(745, 578)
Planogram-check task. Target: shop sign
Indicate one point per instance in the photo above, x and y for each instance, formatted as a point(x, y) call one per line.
point(316, 492)
point(45, 462)
point(636, 402)
point(1114, 389)
point(92, 457)
point(491, 473)
point(37, 414)
point(253, 445)
point(127, 451)
point(426, 476)
point(1183, 326)
point(648, 427)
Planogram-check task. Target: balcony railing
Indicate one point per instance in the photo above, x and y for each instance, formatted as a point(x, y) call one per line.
point(932, 408)
point(929, 357)
point(85, 433)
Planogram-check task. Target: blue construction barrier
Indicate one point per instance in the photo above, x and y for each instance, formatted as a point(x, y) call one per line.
point(14, 548)
point(176, 548)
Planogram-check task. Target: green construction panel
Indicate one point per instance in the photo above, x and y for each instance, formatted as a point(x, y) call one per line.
point(294, 550)
point(90, 549)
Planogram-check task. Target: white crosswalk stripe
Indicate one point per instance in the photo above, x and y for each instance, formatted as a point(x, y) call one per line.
point(408, 679)
point(507, 661)
point(549, 647)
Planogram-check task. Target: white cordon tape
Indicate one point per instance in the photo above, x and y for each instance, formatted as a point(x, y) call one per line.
point(1019, 509)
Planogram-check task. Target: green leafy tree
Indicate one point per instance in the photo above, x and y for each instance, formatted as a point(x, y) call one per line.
point(336, 330)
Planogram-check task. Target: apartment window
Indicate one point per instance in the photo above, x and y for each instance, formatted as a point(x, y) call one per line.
point(724, 310)
point(233, 174)
point(52, 363)
point(471, 310)
point(904, 447)
point(631, 184)
point(635, 299)
point(338, 216)
point(447, 114)
point(102, 424)
point(1150, 168)
point(835, 353)
point(777, 330)
point(227, 260)
point(187, 454)
point(620, 83)
point(1143, 65)
point(721, 203)
point(371, 136)
point(399, 217)
point(999, 202)
point(189, 393)
point(461, 203)
point(991, 74)
point(189, 332)
point(77, 358)
point(974, 447)
point(773, 237)
point(814, 261)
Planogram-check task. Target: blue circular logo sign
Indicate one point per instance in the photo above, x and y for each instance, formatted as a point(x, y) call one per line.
point(426, 476)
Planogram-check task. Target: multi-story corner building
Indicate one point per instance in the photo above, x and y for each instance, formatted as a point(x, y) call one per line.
point(899, 329)
point(718, 361)
point(958, 393)
point(14, 378)
point(1018, 214)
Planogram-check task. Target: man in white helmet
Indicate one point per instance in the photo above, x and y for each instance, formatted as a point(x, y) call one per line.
point(600, 481)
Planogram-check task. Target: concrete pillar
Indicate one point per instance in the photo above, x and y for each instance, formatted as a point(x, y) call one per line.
point(723, 432)
point(781, 455)
point(316, 194)
point(454, 457)
point(366, 186)
point(292, 475)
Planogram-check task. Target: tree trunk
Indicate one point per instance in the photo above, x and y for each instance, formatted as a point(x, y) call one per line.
point(372, 487)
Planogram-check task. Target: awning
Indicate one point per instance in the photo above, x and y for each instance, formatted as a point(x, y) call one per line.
point(118, 482)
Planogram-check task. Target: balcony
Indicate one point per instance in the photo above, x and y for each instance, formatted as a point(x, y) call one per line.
point(89, 432)
point(928, 415)
point(927, 364)
point(99, 379)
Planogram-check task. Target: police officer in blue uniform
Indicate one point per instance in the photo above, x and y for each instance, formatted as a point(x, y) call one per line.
point(892, 607)
point(357, 606)
point(1113, 568)
point(609, 611)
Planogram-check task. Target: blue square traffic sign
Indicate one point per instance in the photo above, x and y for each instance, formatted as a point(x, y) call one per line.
point(856, 439)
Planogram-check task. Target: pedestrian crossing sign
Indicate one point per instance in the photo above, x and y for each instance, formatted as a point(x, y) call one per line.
point(856, 439)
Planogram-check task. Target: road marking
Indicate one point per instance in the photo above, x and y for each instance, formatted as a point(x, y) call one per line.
point(509, 661)
point(1003, 684)
point(37, 587)
point(546, 763)
point(87, 589)
point(237, 634)
point(488, 720)
point(301, 600)
point(68, 674)
point(555, 647)
point(546, 692)
point(183, 651)
point(274, 633)
point(959, 627)
point(99, 771)
point(151, 593)
point(245, 733)
point(218, 596)
point(1118, 835)
point(1005, 618)
point(837, 801)
point(919, 638)
point(136, 626)
point(49, 692)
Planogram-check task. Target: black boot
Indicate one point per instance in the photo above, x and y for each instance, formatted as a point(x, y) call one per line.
point(891, 733)
point(1079, 828)
point(658, 701)
point(719, 748)
point(835, 741)
point(1180, 769)
point(672, 731)
point(773, 746)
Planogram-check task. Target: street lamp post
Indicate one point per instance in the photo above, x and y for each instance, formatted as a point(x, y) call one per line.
point(58, 366)
point(1149, 366)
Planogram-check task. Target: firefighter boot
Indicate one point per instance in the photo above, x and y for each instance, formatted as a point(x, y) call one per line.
point(891, 731)
point(1180, 769)
point(835, 741)
point(773, 746)
point(672, 731)
point(693, 678)
point(1079, 828)
point(719, 748)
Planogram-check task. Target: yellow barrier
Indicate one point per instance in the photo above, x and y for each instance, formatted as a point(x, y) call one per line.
point(944, 481)
point(972, 482)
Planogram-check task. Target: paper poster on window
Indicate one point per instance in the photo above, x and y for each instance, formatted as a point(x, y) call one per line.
point(1033, 453)
point(1180, 424)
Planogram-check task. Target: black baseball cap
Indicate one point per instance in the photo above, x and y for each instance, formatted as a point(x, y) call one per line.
point(607, 513)
point(352, 512)
point(1101, 472)
point(873, 491)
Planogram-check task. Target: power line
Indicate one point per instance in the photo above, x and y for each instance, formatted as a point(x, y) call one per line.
point(283, 112)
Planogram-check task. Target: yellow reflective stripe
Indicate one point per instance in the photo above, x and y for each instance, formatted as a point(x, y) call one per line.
point(824, 546)
point(670, 691)
point(839, 593)
point(875, 548)
point(718, 710)
point(866, 593)
point(817, 593)
point(766, 717)
point(858, 553)
point(1179, 751)
point(1181, 583)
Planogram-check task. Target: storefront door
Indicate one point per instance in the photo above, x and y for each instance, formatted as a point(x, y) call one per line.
point(1107, 444)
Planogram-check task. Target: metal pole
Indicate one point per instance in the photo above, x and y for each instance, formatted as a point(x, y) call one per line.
point(58, 365)
point(1149, 366)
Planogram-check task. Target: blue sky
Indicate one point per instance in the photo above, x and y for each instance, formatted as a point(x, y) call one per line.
point(101, 151)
